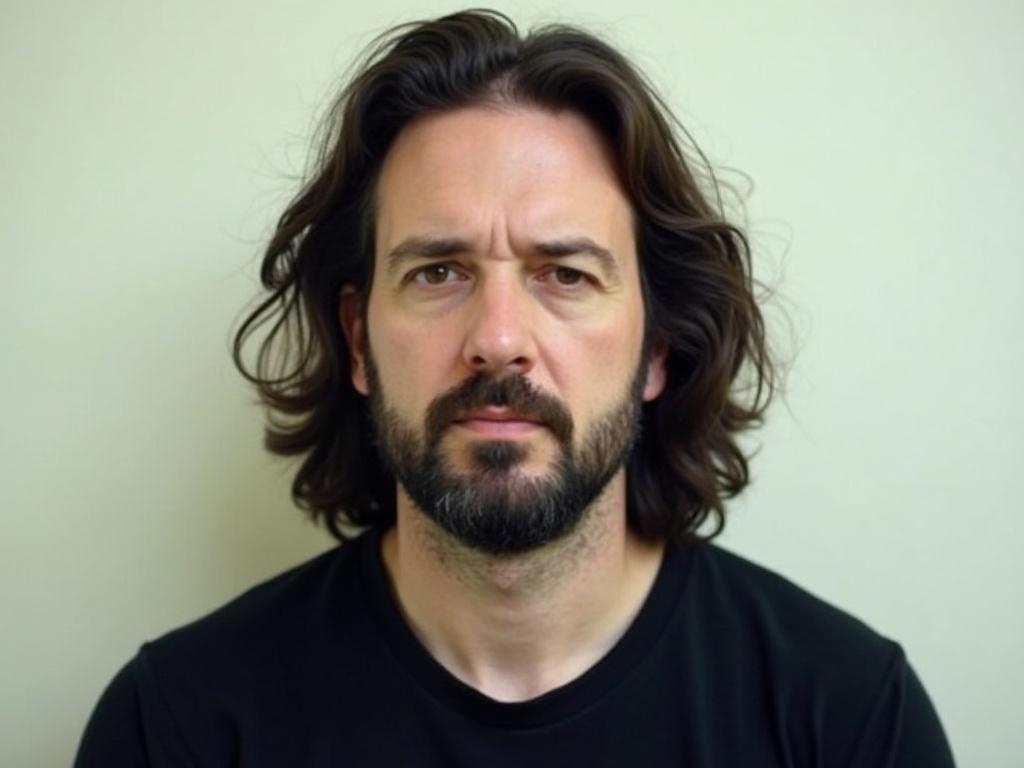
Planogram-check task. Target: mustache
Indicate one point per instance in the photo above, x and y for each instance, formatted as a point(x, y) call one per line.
point(513, 391)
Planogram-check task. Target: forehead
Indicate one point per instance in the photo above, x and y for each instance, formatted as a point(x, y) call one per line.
point(518, 174)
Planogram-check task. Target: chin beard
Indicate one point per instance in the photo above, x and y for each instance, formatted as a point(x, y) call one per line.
point(495, 507)
point(500, 510)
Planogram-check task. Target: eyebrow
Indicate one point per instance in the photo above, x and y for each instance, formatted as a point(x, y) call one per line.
point(419, 247)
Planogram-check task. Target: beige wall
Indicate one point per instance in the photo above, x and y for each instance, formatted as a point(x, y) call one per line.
point(145, 151)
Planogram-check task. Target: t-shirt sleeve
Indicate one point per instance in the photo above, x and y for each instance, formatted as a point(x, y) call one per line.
point(904, 728)
point(130, 725)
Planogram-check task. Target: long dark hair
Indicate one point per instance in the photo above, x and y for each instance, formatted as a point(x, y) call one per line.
point(695, 266)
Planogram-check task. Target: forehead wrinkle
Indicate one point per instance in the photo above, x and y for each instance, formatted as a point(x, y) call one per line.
point(427, 247)
point(429, 199)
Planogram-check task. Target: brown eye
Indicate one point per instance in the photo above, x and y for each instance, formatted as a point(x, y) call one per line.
point(435, 274)
point(568, 276)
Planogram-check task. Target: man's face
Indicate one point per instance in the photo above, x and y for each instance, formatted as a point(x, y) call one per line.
point(504, 331)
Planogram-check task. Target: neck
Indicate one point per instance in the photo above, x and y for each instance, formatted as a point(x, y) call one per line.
point(514, 627)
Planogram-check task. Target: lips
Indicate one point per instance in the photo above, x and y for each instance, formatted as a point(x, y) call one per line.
point(498, 422)
point(496, 414)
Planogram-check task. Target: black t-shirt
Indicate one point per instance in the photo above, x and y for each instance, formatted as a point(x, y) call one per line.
point(726, 664)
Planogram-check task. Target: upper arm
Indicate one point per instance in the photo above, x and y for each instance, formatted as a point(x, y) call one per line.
point(131, 725)
point(904, 728)
point(114, 736)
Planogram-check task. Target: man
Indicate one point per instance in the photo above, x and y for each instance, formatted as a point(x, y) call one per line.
point(506, 275)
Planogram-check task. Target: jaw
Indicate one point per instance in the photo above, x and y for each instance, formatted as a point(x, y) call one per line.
point(420, 538)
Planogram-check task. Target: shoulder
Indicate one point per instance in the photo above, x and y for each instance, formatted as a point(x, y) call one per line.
point(783, 616)
point(277, 611)
point(804, 657)
point(185, 692)
point(271, 635)
point(833, 684)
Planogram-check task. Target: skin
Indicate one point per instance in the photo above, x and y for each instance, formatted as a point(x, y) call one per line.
point(501, 181)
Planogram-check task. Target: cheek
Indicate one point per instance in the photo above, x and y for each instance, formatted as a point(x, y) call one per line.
point(412, 361)
point(592, 368)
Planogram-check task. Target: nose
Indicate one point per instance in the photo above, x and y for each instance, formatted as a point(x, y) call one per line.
point(499, 338)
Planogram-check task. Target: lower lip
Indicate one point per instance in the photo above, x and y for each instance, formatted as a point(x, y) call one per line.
point(492, 428)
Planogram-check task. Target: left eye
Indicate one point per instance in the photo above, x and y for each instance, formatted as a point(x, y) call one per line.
point(566, 277)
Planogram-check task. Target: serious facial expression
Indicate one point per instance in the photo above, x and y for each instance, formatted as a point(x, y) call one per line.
point(502, 351)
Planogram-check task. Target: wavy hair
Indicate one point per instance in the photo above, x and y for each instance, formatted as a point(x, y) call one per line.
point(696, 272)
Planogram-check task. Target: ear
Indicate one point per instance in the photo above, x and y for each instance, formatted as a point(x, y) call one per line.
point(655, 383)
point(350, 314)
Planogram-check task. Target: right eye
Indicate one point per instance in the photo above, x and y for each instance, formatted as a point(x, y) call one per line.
point(433, 274)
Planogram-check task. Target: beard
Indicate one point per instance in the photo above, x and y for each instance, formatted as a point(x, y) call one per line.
point(496, 508)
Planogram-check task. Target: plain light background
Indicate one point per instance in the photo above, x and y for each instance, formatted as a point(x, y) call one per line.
point(146, 150)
